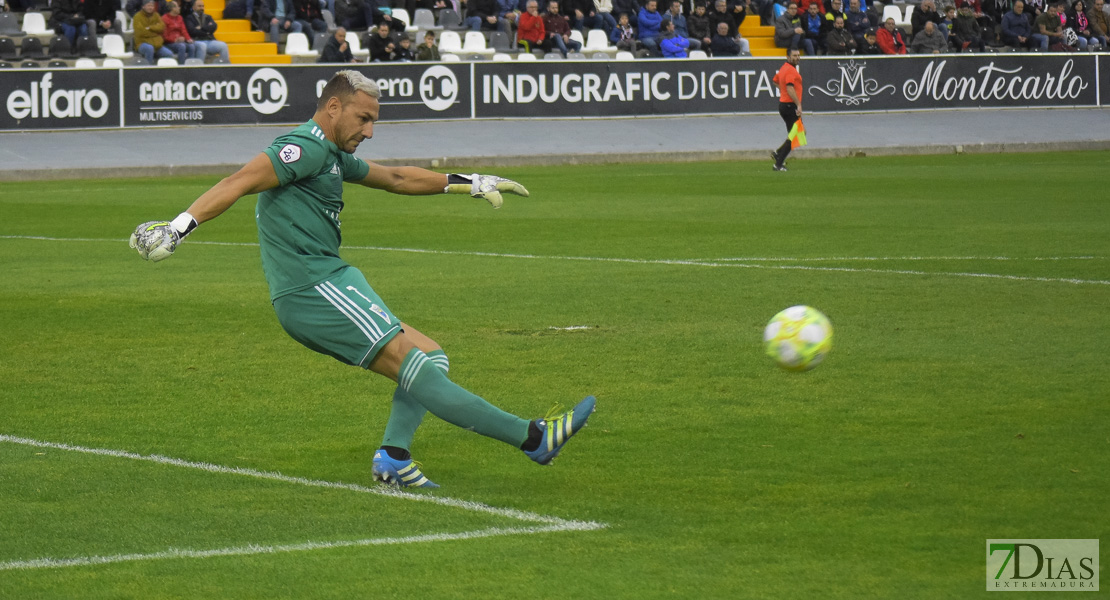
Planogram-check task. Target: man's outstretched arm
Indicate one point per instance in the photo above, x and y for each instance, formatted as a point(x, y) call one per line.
point(415, 181)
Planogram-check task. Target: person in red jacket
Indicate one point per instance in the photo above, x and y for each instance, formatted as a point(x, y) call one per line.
point(530, 32)
point(890, 39)
point(176, 34)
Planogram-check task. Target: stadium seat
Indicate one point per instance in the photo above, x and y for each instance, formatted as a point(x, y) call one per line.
point(354, 44)
point(31, 49)
point(892, 12)
point(502, 42)
point(906, 19)
point(597, 41)
point(575, 56)
point(329, 20)
point(625, 55)
point(132, 61)
point(296, 44)
point(112, 63)
point(425, 19)
point(9, 24)
point(450, 42)
point(124, 22)
point(501, 57)
point(29, 64)
point(114, 47)
point(699, 54)
point(450, 58)
point(85, 63)
point(60, 48)
point(194, 62)
point(403, 15)
point(475, 57)
point(87, 47)
point(554, 56)
point(600, 56)
point(167, 62)
point(58, 64)
point(526, 56)
point(319, 41)
point(5, 65)
point(34, 23)
point(7, 49)
point(450, 20)
point(475, 43)
point(576, 36)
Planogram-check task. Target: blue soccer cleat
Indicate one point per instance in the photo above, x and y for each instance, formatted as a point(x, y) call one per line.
point(399, 473)
point(558, 429)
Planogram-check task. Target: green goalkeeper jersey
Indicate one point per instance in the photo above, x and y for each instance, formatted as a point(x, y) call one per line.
point(298, 222)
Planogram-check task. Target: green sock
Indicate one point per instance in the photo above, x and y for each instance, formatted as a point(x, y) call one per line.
point(430, 387)
point(406, 414)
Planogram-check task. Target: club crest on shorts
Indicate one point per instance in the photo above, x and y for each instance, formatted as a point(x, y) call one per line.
point(289, 153)
point(381, 313)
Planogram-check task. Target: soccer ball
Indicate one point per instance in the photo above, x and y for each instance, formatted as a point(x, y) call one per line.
point(798, 338)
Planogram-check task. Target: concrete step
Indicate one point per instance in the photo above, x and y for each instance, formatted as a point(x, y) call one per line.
point(231, 25)
point(261, 59)
point(241, 37)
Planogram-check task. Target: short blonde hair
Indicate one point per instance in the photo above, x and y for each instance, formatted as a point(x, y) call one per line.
point(344, 85)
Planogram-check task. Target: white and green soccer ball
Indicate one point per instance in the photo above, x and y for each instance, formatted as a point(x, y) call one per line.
point(798, 338)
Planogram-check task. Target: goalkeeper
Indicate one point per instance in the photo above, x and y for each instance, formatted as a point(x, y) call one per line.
point(326, 304)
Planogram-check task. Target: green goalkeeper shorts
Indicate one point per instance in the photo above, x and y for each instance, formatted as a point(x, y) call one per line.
point(342, 317)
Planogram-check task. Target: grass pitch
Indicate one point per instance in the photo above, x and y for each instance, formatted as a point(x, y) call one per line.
point(965, 397)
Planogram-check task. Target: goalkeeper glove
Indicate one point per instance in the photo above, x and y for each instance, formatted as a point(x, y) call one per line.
point(487, 187)
point(156, 240)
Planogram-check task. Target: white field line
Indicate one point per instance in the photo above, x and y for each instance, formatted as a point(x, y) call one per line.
point(700, 262)
point(552, 524)
point(250, 549)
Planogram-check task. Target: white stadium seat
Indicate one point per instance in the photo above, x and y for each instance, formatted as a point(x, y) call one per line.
point(625, 55)
point(112, 63)
point(597, 41)
point(526, 56)
point(167, 62)
point(475, 43)
point(892, 12)
point(114, 47)
point(698, 54)
point(450, 42)
point(502, 57)
point(34, 24)
point(403, 14)
point(577, 36)
point(296, 44)
point(85, 63)
point(450, 58)
point(354, 43)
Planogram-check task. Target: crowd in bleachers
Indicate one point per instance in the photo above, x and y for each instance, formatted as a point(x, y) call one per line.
point(60, 33)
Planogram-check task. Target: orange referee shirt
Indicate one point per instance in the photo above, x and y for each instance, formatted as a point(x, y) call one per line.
point(788, 74)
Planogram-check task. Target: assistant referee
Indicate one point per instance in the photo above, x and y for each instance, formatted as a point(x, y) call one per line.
point(790, 103)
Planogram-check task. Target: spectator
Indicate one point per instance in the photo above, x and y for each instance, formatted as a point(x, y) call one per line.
point(628, 7)
point(354, 15)
point(986, 25)
point(789, 32)
point(839, 41)
point(1080, 23)
point(67, 17)
point(506, 9)
point(202, 28)
point(239, 9)
point(723, 44)
point(721, 14)
point(381, 44)
point(949, 20)
point(1100, 23)
point(1017, 31)
point(428, 50)
point(403, 51)
point(929, 40)
point(814, 25)
point(102, 16)
point(870, 44)
point(697, 25)
point(277, 16)
point(739, 9)
point(965, 30)
point(482, 15)
point(926, 13)
point(605, 14)
point(670, 43)
point(307, 13)
point(176, 35)
point(874, 15)
point(583, 15)
point(624, 36)
point(996, 9)
point(674, 15)
point(857, 22)
point(837, 10)
point(1034, 9)
point(803, 6)
point(557, 26)
point(531, 33)
point(148, 26)
point(649, 22)
point(890, 39)
point(337, 50)
point(1049, 27)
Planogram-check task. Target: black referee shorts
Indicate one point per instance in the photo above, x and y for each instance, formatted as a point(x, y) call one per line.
point(789, 113)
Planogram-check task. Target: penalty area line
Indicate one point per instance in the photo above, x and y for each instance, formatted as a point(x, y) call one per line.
point(467, 505)
point(751, 263)
point(252, 549)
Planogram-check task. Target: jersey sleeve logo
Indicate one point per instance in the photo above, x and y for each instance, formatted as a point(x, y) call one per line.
point(290, 153)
